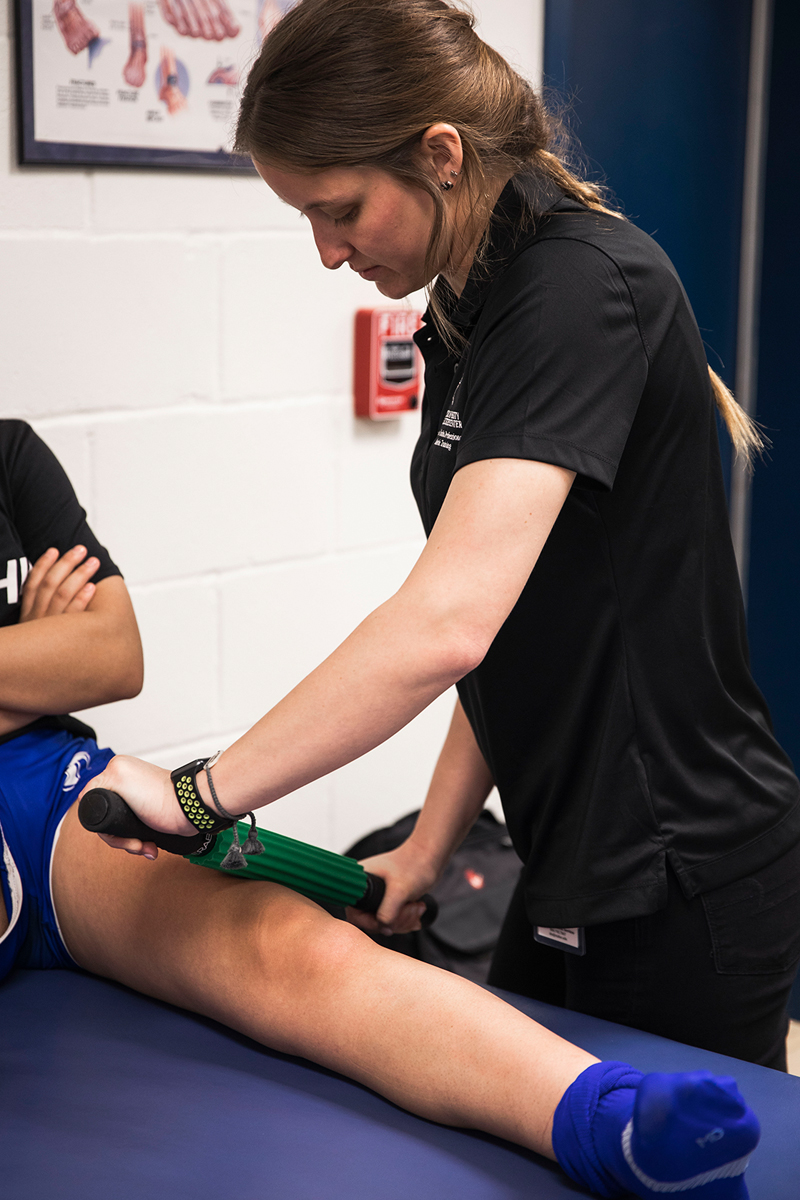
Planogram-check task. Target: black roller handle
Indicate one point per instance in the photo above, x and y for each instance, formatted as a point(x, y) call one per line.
point(104, 811)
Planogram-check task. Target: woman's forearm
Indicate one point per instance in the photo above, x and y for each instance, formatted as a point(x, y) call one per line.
point(495, 519)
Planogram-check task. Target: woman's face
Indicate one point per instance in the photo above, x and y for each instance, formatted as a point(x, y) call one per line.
point(363, 217)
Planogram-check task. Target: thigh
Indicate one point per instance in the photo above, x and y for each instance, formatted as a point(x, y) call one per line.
point(722, 985)
point(278, 968)
point(232, 949)
point(520, 964)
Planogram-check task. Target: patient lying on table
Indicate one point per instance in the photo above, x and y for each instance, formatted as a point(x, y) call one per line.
point(254, 955)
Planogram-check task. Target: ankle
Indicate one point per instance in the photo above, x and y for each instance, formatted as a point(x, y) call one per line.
point(588, 1125)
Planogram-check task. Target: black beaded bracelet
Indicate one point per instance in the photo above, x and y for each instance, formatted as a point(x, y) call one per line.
point(235, 859)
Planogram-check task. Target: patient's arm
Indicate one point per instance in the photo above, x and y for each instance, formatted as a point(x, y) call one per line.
point(77, 644)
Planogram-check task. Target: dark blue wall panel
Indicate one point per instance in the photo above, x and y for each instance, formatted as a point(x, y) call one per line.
point(774, 588)
point(658, 96)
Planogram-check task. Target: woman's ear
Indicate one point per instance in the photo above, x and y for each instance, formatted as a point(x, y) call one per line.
point(441, 150)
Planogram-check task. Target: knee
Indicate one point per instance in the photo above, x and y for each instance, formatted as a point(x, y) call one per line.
point(313, 949)
point(335, 950)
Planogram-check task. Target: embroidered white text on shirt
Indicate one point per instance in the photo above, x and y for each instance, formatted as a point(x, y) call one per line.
point(15, 578)
point(444, 438)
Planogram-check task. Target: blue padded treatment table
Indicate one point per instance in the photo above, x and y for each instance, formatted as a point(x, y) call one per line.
point(106, 1095)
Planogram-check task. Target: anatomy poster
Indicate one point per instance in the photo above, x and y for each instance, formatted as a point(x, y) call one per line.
point(154, 82)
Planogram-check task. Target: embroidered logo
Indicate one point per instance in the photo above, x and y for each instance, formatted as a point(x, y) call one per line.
point(73, 772)
point(445, 437)
point(713, 1135)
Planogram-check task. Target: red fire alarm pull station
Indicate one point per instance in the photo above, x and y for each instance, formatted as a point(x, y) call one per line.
point(388, 365)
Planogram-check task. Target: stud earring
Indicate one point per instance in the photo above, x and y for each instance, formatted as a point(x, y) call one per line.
point(447, 185)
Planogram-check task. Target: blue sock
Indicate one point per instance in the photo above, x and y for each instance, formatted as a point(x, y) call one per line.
point(616, 1131)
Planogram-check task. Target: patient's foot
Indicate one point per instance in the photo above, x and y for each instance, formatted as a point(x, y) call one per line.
point(616, 1131)
point(690, 1133)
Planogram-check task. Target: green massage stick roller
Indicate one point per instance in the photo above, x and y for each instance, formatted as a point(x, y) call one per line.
point(319, 874)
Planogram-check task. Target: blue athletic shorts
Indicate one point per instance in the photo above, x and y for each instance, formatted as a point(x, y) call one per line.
point(42, 773)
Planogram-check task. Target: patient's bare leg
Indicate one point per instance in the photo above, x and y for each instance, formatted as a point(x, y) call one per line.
point(76, 29)
point(133, 71)
point(274, 966)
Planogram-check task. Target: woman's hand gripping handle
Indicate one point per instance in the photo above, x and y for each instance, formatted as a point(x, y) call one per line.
point(149, 798)
point(404, 903)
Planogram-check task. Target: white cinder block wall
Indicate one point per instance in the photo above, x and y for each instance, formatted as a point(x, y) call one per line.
point(175, 340)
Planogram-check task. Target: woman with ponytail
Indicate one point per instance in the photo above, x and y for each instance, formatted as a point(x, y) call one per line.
point(578, 584)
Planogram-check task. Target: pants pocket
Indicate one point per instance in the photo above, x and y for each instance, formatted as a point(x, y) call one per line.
point(755, 922)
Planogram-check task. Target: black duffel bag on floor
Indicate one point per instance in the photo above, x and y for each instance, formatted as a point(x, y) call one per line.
point(473, 895)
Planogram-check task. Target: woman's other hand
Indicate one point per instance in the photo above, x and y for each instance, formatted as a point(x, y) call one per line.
point(407, 877)
point(148, 790)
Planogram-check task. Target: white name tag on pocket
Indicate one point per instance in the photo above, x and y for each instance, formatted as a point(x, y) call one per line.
point(570, 940)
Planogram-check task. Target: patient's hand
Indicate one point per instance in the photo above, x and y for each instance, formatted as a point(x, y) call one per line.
point(91, 655)
point(54, 586)
point(58, 585)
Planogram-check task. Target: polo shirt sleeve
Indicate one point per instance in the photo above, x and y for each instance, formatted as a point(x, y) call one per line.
point(558, 364)
point(46, 512)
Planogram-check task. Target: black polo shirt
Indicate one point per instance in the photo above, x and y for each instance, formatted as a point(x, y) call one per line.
point(615, 707)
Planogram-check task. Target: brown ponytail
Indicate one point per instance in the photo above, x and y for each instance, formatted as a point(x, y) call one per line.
point(745, 435)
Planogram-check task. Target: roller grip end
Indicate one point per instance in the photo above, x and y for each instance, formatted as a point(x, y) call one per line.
point(103, 811)
point(94, 808)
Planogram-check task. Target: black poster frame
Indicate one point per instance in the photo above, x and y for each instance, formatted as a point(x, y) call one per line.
point(31, 152)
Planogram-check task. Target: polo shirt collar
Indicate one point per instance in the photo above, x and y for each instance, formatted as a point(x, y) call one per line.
point(507, 232)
